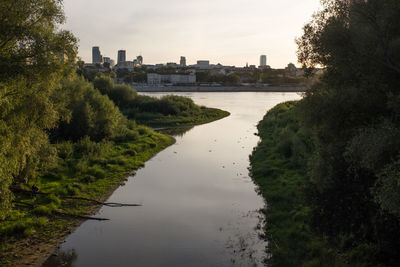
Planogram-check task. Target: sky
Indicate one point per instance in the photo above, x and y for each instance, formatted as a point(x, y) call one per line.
point(230, 32)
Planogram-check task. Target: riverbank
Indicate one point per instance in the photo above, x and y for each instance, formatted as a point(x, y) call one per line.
point(40, 222)
point(278, 167)
point(205, 115)
point(199, 190)
point(255, 88)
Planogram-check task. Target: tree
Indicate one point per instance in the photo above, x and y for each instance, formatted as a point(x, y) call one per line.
point(34, 56)
point(87, 113)
point(355, 116)
point(104, 84)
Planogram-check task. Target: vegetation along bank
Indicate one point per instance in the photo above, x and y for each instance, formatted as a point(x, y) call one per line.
point(329, 165)
point(66, 142)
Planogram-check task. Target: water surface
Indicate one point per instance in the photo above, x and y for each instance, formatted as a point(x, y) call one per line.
point(200, 207)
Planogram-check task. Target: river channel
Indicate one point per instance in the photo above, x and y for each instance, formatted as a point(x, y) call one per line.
point(200, 207)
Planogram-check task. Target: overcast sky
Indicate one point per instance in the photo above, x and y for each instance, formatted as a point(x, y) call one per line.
point(230, 32)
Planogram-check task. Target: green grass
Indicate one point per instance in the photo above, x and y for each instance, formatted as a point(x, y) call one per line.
point(278, 166)
point(204, 115)
point(84, 169)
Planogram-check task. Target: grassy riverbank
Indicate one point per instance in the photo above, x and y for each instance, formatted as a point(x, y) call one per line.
point(167, 111)
point(202, 116)
point(278, 166)
point(88, 152)
point(85, 169)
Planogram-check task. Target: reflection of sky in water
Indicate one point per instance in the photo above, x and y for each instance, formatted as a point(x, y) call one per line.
point(199, 204)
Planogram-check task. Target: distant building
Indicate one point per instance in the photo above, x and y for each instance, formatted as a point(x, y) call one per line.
point(121, 56)
point(291, 70)
point(109, 61)
point(263, 61)
point(153, 78)
point(172, 64)
point(129, 65)
point(216, 71)
point(203, 64)
point(176, 79)
point(96, 55)
point(183, 62)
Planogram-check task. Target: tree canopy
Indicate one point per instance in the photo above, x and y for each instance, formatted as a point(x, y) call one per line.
point(34, 55)
point(353, 110)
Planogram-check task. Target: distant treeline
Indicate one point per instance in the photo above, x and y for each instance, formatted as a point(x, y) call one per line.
point(336, 153)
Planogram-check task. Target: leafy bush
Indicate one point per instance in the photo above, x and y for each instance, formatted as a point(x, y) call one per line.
point(65, 149)
point(87, 112)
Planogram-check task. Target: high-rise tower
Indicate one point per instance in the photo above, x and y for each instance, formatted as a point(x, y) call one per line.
point(263, 61)
point(96, 55)
point(121, 56)
point(183, 62)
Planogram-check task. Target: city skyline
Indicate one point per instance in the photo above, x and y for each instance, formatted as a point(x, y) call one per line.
point(222, 31)
point(97, 57)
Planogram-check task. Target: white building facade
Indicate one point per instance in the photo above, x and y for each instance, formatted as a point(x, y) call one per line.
point(176, 79)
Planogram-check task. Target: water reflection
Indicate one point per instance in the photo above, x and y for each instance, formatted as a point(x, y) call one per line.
point(200, 207)
point(63, 258)
point(176, 131)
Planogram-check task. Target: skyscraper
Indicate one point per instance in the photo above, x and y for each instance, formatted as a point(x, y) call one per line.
point(121, 56)
point(263, 61)
point(183, 62)
point(96, 55)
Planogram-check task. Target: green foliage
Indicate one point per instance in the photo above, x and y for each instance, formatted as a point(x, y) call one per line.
point(387, 189)
point(169, 110)
point(65, 149)
point(354, 114)
point(278, 166)
point(106, 164)
point(104, 84)
point(87, 113)
point(47, 110)
point(34, 56)
point(122, 95)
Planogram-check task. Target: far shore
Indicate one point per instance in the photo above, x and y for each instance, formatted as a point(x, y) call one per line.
point(249, 88)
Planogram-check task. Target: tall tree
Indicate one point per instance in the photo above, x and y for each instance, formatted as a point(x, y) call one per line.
point(34, 55)
point(354, 112)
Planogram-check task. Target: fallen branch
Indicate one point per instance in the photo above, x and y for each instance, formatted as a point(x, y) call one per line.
point(79, 216)
point(108, 204)
point(64, 213)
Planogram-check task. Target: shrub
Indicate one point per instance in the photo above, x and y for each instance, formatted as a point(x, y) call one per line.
point(65, 149)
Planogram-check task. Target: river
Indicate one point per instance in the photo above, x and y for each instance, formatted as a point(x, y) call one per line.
point(200, 207)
